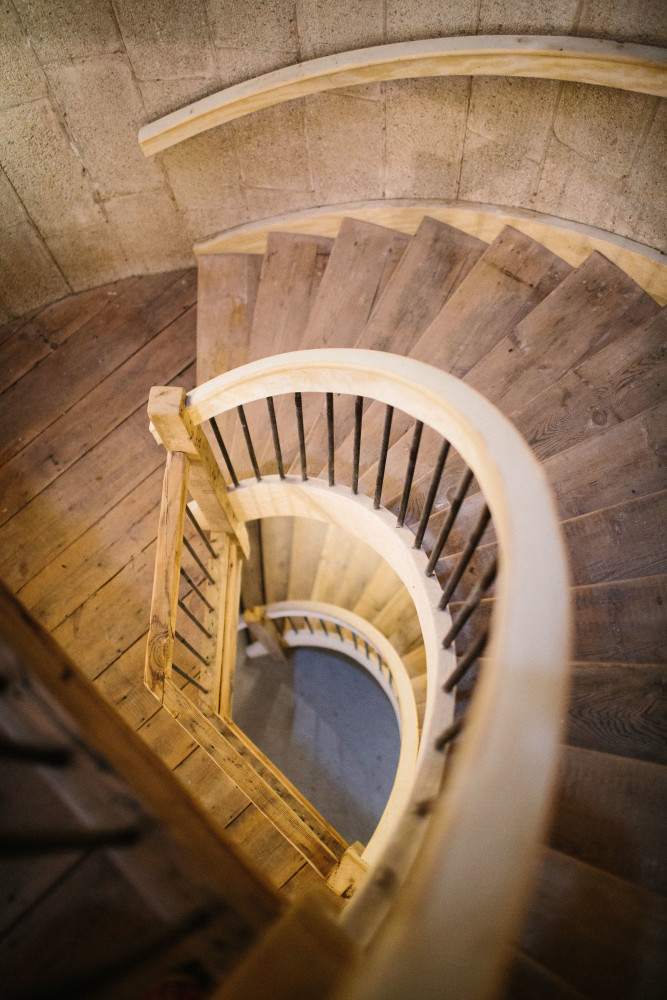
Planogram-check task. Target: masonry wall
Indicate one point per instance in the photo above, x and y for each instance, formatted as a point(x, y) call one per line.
point(80, 205)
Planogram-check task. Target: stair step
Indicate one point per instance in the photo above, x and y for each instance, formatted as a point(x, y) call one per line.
point(308, 542)
point(226, 293)
point(276, 557)
point(434, 264)
point(511, 278)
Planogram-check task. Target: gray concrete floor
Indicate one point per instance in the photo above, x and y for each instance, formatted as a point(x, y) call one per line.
point(330, 729)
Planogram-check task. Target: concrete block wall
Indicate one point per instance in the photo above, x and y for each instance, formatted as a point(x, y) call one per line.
point(80, 205)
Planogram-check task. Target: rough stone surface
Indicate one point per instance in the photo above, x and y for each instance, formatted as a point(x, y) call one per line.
point(326, 27)
point(28, 273)
point(427, 19)
point(272, 148)
point(46, 172)
point(12, 211)
point(643, 21)
point(160, 97)
point(69, 29)
point(184, 50)
point(346, 142)
point(89, 257)
point(416, 108)
point(21, 78)
point(525, 17)
point(150, 232)
point(641, 211)
point(507, 132)
point(104, 113)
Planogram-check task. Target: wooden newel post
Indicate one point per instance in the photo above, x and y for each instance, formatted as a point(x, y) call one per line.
point(177, 432)
point(160, 648)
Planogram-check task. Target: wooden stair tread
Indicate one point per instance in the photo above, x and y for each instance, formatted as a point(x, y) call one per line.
point(227, 289)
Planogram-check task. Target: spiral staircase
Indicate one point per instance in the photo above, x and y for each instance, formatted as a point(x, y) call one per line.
point(574, 357)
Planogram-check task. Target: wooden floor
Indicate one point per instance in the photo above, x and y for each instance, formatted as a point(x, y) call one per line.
point(80, 485)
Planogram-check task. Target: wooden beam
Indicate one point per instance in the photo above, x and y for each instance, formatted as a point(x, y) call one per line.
point(264, 631)
point(228, 629)
point(164, 602)
point(604, 63)
point(176, 431)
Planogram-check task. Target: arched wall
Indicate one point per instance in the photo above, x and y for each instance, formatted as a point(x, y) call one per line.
point(80, 205)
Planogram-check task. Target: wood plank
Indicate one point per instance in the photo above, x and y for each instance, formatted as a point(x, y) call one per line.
point(168, 741)
point(611, 812)
point(307, 545)
point(600, 934)
point(120, 685)
point(338, 549)
point(51, 327)
point(276, 556)
point(273, 855)
point(435, 263)
point(97, 555)
point(379, 590)
point(619, 708)
point(70, 435)
point(512, 276)
point(252, 590)
point(226, 292)
point(623, 621)
point(212, 788)
point(228, 629)
point(363, 563)
point(66, 375)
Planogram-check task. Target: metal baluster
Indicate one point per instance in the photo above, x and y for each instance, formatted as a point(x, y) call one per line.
point(358, 415)
point(450, 733)
point(276, 438)
point(330, 437)
point(302, 437)
point(200, 531)
point(340, 634)
point(354, 640)
point(292, 625)
point(430, 496)
point(475, 597)
point(223, 451)
point(412, 461)
point(193, 619)
point(197, 560)
point(465, 482)
point(465, 556)
point(192, 649)
point(382, 461)
point(248, 441)
point(191, 583)
point(187, 677)
point(475, 650)
point(310, 627)
point(324, 628)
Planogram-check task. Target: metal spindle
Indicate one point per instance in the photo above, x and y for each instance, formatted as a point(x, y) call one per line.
point(475, 597)
point(192, 618)
point(276, 438)
point(198, 560)
point(291, 623)
point(223, 451)
point(330, 437)
point(191, 583)
point(450, 733)
point(188, 645)
point(475, 649)
point(298, 405)
point(310, 627)
point(410, 471)
point(465, 556)
point(187, 677)
point(324, 627)
point(200, 532)
point(465, 482)
point(382, 461)
point(340, 634)
point(248, 441)
point(354, 640)
point(358, 415)
point(430, 496)
point(48, 754)
point(367, 651)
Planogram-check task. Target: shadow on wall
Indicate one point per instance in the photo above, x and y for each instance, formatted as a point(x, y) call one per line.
point(329, 727)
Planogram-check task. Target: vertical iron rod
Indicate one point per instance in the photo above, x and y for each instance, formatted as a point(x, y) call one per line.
point(410, 471)
point(302, 437)
point(276, 438)
point(382, 461)
point(223, 451)
point(188, 579)
point(358, 415)
point(193, 619)
point(465, 482)
point(474, 650)
point(465, 556)
point(474, 599)
point(430, 496)
point(248, 441)
point(354, 640)
point(367, 653)
point(340, 634)
point(324, 627)
point(198, 560)
point(330, 437)
point(310, 627)
point(450, 733)
point(292, 625)
point(200, 532)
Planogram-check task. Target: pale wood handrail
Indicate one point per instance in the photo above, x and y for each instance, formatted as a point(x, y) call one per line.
point(582, 60)
point(475, 868)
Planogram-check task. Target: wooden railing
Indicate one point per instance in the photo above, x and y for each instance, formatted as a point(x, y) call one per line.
point(477, 840)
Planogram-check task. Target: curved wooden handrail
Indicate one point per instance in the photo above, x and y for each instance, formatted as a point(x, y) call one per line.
point(475, 868)
point(402, 696)
point(604, 63)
